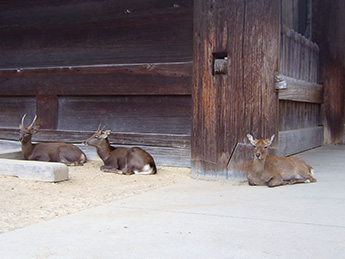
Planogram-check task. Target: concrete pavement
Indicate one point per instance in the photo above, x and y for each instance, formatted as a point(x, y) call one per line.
point(203, 219)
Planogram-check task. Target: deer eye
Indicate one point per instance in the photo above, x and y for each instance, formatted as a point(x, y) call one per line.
point(266, 147)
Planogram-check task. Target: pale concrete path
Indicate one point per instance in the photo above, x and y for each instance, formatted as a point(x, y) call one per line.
point(203, 219)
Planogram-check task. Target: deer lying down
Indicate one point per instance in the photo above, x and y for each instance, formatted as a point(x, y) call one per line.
point(49, 152)
point(274, 170)
point(121, 160)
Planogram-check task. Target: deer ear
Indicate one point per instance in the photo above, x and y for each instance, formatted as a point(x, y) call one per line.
point(106, 133)
point(251, 139)
point(35, 129)
point(271, 140)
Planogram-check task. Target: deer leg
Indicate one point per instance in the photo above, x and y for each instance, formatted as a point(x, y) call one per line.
point(67, 162)
point(276, 181)
point(110, 169)
point(43, 158)
point(127, 171)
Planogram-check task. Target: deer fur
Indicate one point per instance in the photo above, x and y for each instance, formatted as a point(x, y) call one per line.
point(121, 160)
point(48, 152)
point(274, 170)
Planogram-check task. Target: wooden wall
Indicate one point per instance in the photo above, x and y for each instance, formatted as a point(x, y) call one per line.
point(300, 95)
point(126, 64)
point(241, 38)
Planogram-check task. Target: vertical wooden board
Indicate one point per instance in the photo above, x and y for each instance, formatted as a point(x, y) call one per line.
point(215, 30)
point(261, 51)
point(201, 81)
point(47, 111)
point(12, 110)
point(234, 101)
point(298, 115)
point(226, 107)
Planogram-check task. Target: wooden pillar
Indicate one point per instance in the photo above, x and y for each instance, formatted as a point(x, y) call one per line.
point(236, 49)
point(328, 33)
point(47, 111)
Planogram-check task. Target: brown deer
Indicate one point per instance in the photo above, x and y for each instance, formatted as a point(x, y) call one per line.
point(274, 170)
point(49, 152)
point(121, 160)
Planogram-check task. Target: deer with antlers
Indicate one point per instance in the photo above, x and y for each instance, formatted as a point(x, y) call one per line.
point(48, 152)
point(121, 160)
point(274, 170)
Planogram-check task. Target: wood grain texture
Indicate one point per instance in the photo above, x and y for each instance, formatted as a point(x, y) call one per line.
point(298, 140)
point(150, 114)
point(58, 33)
point(135, 79)
point(301, 91)
point(227, 106)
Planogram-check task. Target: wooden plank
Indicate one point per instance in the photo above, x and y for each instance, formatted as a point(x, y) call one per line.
point(150, 114)
point(300, 91)
point(130, 79)
point(47, 111)
point(118, 138)
point(242, 99)
point(295, 115)
point(56, 33)
point(12, 109)
point(299, 140)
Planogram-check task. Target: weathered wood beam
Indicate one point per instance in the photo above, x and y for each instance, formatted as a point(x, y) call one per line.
point(47, 111)
point(236, 50)
point(128, 79)
point(292, 89)
point(295, 141)
point(119, 138)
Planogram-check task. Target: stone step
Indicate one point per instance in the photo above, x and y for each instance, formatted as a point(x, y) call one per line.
point(34, 170)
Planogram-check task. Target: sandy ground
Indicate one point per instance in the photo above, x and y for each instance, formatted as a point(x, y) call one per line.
point(24, 202)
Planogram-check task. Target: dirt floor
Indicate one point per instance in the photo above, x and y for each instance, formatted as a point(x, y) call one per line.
point(24, 202)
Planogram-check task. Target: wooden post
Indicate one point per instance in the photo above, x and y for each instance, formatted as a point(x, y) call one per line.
point(47, 111)
point(228, 103)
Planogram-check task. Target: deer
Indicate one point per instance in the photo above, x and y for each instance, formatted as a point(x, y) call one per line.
point(275, 170)
point(48, 152)
point(121, 160)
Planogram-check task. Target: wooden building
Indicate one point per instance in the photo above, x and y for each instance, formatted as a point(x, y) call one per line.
point(186, 80)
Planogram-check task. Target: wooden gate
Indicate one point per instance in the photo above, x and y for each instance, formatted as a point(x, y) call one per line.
point(300, 95)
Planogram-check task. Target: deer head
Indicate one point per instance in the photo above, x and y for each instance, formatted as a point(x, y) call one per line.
point(260, 146)
point(98, 138)
point(26, 133)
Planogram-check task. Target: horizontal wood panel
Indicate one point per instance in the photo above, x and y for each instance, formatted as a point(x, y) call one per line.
point(300, 91)
point(150, 114)
point(137, 79)
point(12, 110)
point(117, 138)
point(295, 141)
point(56, 33)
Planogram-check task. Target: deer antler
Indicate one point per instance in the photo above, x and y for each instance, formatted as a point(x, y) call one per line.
point(33, 121)
point(99, 127)
point(23, 119)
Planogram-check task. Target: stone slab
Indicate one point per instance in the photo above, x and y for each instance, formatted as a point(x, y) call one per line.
point(34, 170)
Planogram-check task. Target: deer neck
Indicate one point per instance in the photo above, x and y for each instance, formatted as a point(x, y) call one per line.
point(27, 148)
point(104, 149)
point(258, 166)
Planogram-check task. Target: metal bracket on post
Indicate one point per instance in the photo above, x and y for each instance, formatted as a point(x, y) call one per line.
point(220, 63)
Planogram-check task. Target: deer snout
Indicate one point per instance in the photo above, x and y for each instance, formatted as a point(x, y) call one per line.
point(257, 155)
